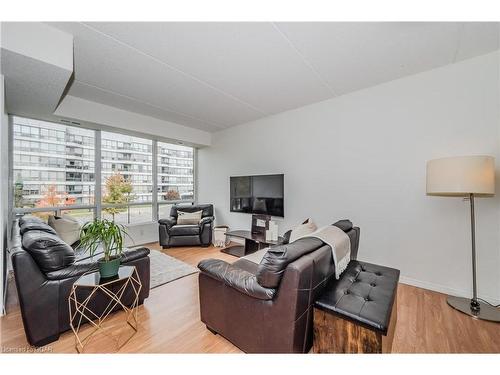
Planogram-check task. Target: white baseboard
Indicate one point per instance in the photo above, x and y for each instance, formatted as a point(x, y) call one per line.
point(445, 289)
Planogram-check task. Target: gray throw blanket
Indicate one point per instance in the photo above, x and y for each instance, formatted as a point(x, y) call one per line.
point(333, 236)
point(339, 242)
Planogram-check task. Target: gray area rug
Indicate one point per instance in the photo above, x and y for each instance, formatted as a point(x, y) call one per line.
point(164, 269)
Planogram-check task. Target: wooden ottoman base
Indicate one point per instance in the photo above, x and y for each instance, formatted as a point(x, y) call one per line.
point(333, 334)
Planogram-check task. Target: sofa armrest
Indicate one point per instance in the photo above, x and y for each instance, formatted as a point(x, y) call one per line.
point(236, 278)
point(206, 226)
point(37, 296)
point(168, 222)
point(90, 264)
point(27, 273)
point(74, 270)
point(133, 254)
point(206, 220)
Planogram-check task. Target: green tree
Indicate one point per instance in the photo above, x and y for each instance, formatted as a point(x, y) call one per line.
point(118, 191)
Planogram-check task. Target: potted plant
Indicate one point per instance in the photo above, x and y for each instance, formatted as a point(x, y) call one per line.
point(109, 235)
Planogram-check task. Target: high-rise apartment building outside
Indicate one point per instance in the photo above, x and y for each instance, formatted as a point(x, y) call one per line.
point(54, 165)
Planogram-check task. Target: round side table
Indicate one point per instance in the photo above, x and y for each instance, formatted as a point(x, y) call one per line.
point(91, 285)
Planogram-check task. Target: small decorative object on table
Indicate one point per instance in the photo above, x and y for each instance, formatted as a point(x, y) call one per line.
point(105, 233)
point(220, 239)
point(260, 223)
point(92, 286)
point(272, 231)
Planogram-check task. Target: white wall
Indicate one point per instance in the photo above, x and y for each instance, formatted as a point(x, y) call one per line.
point(92, 112)
point(362, 156)
point(140, 234)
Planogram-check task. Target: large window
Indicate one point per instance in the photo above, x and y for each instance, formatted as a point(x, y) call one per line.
point(54, 169)
point(175, 172)
point(126, 177)
point(175, 180)
point(53, 166)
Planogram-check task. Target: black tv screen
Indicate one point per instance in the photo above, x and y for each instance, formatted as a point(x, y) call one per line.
point(261, 194)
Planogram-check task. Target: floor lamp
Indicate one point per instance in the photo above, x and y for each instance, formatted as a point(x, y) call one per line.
point(465, 176)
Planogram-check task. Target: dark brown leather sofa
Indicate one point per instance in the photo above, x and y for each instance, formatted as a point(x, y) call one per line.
point(268, 307)
point(173, 234)
point(45, 269)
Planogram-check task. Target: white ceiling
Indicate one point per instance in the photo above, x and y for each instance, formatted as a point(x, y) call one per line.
point(212, 76)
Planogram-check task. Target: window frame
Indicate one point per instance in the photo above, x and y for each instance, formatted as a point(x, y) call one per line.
point(98, 206)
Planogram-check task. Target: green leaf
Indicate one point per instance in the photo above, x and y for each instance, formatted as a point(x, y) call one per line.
point(103, 232)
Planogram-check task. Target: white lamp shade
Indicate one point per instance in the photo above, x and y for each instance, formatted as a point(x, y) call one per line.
point(461, 175)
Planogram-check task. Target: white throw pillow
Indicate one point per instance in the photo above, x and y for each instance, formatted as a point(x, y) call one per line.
point(67, 228)
point(307, 227)
point(188, 218)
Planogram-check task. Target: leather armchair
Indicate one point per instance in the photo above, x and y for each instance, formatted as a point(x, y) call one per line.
point(173, 234)
point(268, 307)
point(43, 293)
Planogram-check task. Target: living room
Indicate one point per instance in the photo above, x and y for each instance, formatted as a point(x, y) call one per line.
point(250, 187)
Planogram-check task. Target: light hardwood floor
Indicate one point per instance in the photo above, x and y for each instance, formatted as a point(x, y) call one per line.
point(170, 322)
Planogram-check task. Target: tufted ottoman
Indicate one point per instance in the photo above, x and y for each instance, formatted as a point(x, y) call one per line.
point(357, 313)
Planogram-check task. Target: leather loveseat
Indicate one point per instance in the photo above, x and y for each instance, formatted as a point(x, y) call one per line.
point(200, 234)
point(267, 306)
point(45, 269)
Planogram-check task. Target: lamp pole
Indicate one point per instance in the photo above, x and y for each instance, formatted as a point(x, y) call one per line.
point(473, 306)
point(474, 303)
point(467, 177)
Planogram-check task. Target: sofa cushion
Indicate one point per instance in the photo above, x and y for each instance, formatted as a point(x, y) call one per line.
point(48, 250)
point(345, 225)
point(29, 219)
point(208, 209)
point(67, 228)
point(185, 230)
point(28, 225)
point(277, 258)
point(286, 236)
point(189, 218)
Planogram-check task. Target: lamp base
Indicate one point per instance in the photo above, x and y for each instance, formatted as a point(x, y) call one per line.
point(483, 311)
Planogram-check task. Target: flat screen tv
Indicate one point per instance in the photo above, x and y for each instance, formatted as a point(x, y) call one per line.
point(261, 194)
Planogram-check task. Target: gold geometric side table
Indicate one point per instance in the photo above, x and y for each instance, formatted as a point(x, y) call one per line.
point(93, 286)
